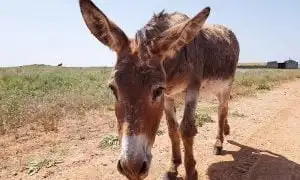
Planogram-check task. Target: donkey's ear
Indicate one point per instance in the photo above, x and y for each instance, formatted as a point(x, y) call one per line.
point(170, 42)
point(102, 28)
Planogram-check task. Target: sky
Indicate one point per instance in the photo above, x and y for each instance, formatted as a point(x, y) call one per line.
point(50, 32)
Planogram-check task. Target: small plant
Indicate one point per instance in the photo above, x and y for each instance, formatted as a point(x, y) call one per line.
point(202, 119)
point(237, 114)
point(35, 166)
point(110, 108)
point(263, 86)
point(160, 132)
point(108, 141)
point(2, 129)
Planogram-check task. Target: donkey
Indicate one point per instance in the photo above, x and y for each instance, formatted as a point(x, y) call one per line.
point(171, 54)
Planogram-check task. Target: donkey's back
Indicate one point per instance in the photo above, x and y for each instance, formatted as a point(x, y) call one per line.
point(219, 51)
point(210, 58)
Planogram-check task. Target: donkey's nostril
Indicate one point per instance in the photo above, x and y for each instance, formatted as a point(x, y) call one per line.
point(120, 168)
point(144, 168)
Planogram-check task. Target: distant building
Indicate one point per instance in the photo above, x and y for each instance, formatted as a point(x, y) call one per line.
point(272, 64)
point(289, 64)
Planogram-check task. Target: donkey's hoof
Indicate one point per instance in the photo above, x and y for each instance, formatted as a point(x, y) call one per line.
point(170, 176)
point(218, 150)
point(192, 176)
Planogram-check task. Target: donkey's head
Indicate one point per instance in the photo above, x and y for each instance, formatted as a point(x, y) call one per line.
point(138, 82)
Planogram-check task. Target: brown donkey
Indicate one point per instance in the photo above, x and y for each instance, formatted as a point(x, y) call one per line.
point(171, 54)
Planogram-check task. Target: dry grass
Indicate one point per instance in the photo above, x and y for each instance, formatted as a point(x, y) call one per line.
point(202, 118)
point(43, 94)
point(35, 166)
point(247, 82)
point(251, 65)
point(237, 114)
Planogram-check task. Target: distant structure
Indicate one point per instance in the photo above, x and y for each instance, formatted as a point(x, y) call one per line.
point(288, 64)
point(272, 64)
point(60, 64)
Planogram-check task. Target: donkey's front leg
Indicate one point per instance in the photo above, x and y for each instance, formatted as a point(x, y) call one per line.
point(172, 123)
point(189, 130)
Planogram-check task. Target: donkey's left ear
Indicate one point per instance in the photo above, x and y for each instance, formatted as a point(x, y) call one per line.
point(171, 41)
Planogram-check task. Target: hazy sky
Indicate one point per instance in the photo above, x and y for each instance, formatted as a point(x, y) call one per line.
point(49, 32)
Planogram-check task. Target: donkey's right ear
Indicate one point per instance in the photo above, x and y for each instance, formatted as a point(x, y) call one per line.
point(102, 28)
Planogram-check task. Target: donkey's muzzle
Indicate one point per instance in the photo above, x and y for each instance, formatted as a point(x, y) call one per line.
point(133, 169)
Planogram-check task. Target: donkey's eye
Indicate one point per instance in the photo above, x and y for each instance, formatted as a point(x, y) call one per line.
point(114, 90)
point(157, 92)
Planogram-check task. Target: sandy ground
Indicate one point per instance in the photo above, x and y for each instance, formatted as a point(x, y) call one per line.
point(264, 144)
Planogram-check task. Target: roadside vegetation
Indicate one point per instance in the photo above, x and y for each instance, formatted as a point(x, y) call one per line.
point(44, 94)
point(248, 82)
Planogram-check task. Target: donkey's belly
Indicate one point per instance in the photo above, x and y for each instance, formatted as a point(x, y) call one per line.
point(207, 88)
point(214, 86)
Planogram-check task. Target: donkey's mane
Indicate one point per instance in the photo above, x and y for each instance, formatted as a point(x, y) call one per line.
point(156, 25)
point(159, 23)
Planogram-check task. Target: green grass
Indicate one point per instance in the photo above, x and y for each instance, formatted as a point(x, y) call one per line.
point(202, 118)
point(45, 94)
point(109, 141)
point(160, 132)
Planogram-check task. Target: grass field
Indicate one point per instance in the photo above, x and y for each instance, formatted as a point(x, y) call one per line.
point(252, 65)
point(45, 94)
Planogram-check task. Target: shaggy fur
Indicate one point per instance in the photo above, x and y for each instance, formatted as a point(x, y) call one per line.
point(171, 54)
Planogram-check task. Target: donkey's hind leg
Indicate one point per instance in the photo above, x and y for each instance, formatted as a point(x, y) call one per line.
point(172, 123)
point(223, 126)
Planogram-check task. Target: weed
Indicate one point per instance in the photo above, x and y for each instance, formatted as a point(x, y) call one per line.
point(35, 166)
point(108, 141)
point(237, 114)
point(110, 108)
point(202, 118)
point(160, 132)
point(263, 86)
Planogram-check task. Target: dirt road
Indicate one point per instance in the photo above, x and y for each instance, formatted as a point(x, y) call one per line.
point(264, 144)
